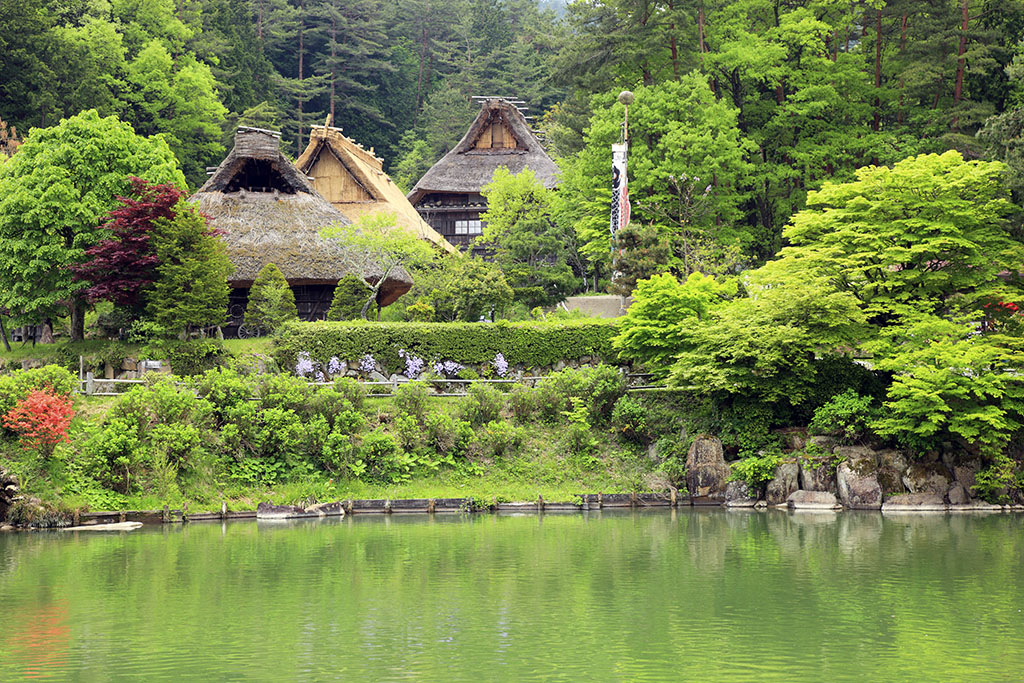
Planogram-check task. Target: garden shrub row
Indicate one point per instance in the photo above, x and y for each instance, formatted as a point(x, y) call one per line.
point(526, 344)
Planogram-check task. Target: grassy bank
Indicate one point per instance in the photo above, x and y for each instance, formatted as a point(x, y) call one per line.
point(244, 439)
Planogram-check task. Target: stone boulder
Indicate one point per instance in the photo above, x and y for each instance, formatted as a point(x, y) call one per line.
point(826, 443)
point(915, 502)
point(857, 480)
point(31, 512)
point(891, 466)
point(813, 500)
point(957, 494)
point(706, 471)
point(785, 482)
point(271, 511)
point(930, 477)
point(8, 492)
point(739, 495)
point(965, 472)
point(817, 474)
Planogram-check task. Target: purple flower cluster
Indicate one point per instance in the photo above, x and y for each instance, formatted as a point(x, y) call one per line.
point(367, 363)
point(303, 364)
point(413, 364)
point(500, 364)
point(334, 366)
point(448, 368)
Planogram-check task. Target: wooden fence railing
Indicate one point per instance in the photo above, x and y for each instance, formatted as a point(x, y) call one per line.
point(90, 385)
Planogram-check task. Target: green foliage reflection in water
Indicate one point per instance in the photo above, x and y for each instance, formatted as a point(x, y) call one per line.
point(347, 595)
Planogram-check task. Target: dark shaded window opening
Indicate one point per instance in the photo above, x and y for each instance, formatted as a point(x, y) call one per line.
point(257, 175)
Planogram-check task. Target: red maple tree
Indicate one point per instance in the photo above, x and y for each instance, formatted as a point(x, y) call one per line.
point(41, 419)
point(118, 269)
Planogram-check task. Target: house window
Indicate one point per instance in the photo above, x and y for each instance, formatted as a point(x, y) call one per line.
point(468, 227)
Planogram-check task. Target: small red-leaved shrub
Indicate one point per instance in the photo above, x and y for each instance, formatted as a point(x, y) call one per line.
point(41, 419)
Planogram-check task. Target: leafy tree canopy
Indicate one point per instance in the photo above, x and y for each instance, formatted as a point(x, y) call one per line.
point(53, 193)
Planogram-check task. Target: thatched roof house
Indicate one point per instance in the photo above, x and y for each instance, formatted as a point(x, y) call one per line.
point(353, 180)
point(448, 195)
point(270, 213)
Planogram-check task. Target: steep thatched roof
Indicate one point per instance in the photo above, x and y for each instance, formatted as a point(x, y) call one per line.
point(354, 181)
point(270, 213)
point(470, 165)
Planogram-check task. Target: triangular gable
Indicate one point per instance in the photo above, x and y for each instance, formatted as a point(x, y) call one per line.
point(255, 164)
point(491, 131)
point(337, 180)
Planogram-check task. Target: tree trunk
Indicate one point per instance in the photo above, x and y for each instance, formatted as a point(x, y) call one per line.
point(302, 26)
point(878, 69)
point(960, 61)
point(334, 46)
point(3, 335)
point(77, 319)
point(672, 43)
point(373, 295)
point(700, 32)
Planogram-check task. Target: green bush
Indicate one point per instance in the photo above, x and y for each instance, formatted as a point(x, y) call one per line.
point(629, 418)
point(350, 294)
point(354, 391)
point(996, 482)
point(190, 357)
point(598, 387)
point(481, 405)
point(499, 439)
point(16, 386)
point(846, 416)
point(411, 398)
point(271, 301)
point(534, 344)
point(383, 458)
point(755, 470)
point(522, 402)
point(578, 437)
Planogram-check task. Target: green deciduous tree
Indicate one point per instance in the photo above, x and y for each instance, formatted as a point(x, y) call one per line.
point(391, 249)
point(53, 193)
point(271, 300)
point(467, 289)
point(687, 171)
point(914, 265)
point(536, 253)
point(664, 313)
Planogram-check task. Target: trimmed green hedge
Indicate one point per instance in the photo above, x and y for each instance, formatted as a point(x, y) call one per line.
point(532, 344)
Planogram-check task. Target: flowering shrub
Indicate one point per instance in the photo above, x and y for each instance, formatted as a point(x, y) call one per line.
point(500, 364)
point(367, 363)
point(448, 368)
point(303, 364)
point(413, 364)
point(334, 366)
point(41, 419)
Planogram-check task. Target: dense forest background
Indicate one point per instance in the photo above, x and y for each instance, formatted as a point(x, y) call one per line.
point(763, 99)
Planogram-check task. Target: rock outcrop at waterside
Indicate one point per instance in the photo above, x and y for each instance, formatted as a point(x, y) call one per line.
point(739, 495)
point(813, 500)
point(817, 474)
point(785, 482)
point(8, 492)
point(857, 478)
point(706, 471)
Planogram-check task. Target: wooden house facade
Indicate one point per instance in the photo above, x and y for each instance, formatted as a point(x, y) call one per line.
point(353, 180)
point(448, 196)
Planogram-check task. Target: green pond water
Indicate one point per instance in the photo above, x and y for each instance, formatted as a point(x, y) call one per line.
point(631, 596)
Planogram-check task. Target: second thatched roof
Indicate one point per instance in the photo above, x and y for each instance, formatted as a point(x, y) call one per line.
point(270, 213)
point(471, 164)
point(353, 180)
